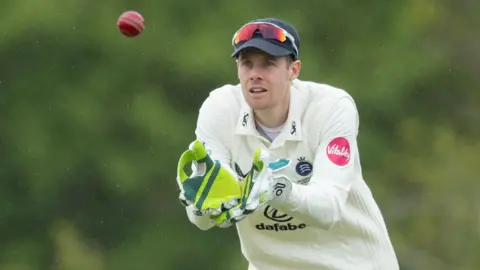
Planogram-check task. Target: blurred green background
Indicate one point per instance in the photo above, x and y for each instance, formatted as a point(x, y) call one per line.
point(92, 124)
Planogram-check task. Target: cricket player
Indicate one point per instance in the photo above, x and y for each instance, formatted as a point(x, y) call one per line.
point(277, 157)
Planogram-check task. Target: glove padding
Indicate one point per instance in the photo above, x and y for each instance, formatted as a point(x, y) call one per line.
point(211, 188)
point(262, 184)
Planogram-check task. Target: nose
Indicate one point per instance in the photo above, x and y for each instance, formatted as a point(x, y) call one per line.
point(256, 73)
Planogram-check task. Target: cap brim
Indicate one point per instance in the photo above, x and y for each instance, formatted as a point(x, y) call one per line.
point(264, 45)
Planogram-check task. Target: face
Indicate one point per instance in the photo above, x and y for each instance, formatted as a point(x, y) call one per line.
point(265, 79)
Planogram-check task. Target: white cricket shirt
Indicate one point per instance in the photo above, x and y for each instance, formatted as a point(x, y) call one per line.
point(330, 220)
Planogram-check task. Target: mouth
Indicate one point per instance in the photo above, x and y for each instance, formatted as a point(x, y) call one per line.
point(257, 90)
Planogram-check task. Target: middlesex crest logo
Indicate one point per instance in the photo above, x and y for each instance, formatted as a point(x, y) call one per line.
point(303, 167)
point(338, 151)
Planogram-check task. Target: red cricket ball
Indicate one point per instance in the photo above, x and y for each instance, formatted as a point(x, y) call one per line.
point(131, 23)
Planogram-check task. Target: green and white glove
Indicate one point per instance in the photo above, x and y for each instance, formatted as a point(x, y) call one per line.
point(212, 187)
point(266, 181)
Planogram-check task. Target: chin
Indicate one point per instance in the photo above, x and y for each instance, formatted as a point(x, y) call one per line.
point(258, 105)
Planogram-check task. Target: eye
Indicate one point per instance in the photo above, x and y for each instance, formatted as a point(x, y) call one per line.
point(271, 63)
point(246, 63)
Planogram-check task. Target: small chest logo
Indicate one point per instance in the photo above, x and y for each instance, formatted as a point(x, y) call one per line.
point(245, 119)
point(303, 167)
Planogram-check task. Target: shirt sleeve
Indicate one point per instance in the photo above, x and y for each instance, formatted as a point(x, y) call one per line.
point(320, 203)
point(209, 127)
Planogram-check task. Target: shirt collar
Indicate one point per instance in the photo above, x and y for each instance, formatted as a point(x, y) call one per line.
point(292, 129)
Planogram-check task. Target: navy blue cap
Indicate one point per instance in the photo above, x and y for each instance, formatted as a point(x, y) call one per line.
point(270, 46)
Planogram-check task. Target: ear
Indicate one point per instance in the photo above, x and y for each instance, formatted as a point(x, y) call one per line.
point(295, 69)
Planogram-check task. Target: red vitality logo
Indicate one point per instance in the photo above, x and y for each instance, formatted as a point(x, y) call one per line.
point(338, 151)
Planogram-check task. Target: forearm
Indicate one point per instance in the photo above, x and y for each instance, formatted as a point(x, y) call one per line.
point(202, 222)
point(317, 205)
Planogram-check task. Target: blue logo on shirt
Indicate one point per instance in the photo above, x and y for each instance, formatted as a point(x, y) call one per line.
point(303, 167)
point(279, 164)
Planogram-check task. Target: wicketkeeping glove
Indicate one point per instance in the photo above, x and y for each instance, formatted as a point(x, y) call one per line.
point(266, 181)
point(212, 187)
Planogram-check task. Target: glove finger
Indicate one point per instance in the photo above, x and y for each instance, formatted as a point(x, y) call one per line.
point(251, 207)
point(229, 217)
point(198, 212)
point(224, 224)
point(239, 218)
point(200, 152)
point(230, 204)
point(228, 223)
point(258, 193)
point(212, 211)
point(184, 201)
point(224, 207)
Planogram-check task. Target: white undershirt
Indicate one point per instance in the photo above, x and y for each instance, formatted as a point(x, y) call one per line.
point(269, 133)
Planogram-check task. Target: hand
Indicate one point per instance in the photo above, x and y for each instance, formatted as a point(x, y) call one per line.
point(262, 184)
point(211, 188)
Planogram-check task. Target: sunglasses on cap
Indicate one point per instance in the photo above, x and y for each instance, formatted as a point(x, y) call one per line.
point(267, 30)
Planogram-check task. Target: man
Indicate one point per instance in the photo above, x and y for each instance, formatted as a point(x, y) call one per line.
point(311, 208)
